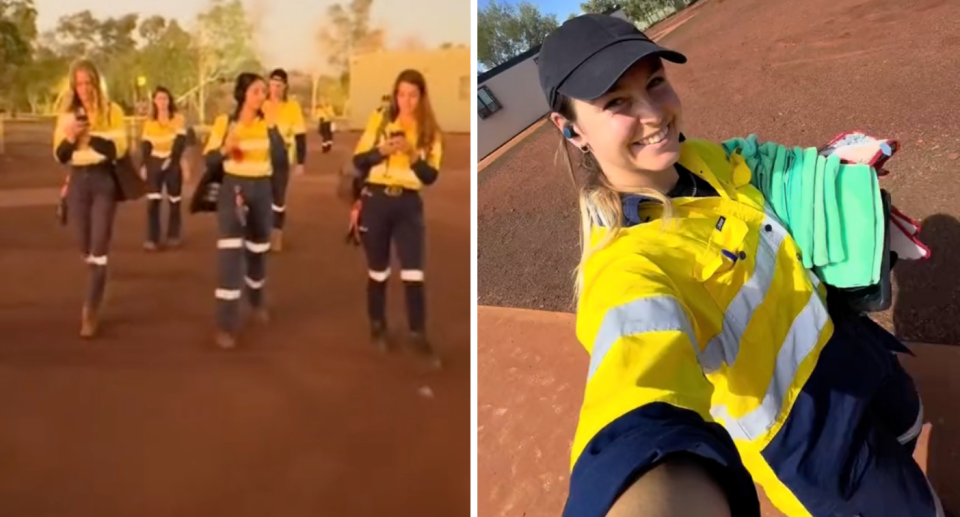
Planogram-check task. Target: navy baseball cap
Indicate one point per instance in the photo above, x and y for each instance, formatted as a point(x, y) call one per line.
point(587, 55)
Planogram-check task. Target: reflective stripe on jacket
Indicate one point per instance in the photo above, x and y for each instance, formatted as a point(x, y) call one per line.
point(715, 314)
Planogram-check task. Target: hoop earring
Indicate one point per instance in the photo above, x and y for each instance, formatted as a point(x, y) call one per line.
point(585, 149)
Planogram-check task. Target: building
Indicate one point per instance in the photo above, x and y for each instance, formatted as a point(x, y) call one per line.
point(446, 70)
point(509, 99)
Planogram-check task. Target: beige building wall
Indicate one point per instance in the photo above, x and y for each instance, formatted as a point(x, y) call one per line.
point(447, 72)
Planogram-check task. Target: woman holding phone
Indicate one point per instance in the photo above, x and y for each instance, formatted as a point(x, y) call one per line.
point(247, 146)
point(397, 156)
point(89, 137)
point(163, 140)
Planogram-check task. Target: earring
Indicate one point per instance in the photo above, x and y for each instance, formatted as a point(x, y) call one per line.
point(584, 149)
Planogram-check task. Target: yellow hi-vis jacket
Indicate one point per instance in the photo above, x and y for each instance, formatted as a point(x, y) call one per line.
point(715, 314)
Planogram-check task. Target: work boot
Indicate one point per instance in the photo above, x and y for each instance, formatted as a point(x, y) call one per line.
point(378, 334)
point(225, 340)
point(150, 246)
point(423, 348)
point(173, 244)
point(276, 240)
point(88, 323)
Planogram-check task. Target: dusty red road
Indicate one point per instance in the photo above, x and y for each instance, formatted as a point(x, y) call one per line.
point(795, 72)
point(304, 420)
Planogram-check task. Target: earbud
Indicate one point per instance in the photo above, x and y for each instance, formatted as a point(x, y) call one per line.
point(568, 132)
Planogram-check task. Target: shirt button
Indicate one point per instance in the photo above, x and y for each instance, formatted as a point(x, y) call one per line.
point(743, 255)
point(768, 228)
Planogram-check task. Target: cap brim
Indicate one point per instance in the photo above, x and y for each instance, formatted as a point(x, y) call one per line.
point(597, 75)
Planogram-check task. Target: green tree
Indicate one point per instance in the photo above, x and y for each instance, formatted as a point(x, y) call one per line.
point(18, 31)
point(505, 30)
point(222, 44)
point(644, 13)
point(348, 32)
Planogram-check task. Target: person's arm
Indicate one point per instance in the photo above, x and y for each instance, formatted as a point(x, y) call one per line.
point(299, 133)
point(63, 146)
point(646, 405)
point(146, 146)
point(212, 151)
point(427, 167)
point(367, 155)
point(180, 140)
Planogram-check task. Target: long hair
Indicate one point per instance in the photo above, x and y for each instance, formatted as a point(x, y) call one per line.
point(244, 81)
point(600, 202)
point(171, 104)
point(70, 100)
point(427, 127)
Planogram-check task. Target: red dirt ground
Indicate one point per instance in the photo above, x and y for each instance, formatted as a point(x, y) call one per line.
point(794, 72)
point(305, 419)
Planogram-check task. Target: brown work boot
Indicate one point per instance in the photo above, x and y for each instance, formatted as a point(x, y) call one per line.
point(225, 340)
point(88, 323)
point(423, 348)
point(276, 240)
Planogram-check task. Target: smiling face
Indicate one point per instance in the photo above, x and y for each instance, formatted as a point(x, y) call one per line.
point(256, 94)
point(408, 98)
point(634, 128)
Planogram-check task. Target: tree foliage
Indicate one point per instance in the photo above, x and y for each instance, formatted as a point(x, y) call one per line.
point(191, 63)
point(505, 30)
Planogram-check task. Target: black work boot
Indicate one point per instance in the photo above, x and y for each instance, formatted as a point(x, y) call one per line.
point(420, 345)
point(378, 334)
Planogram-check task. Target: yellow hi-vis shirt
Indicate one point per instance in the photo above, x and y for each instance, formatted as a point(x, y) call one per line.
point(395, 169)
point(162, 134)
point(110, 126)
point(715, 314)
point(254, 161)
point(324, 113)
point(290, 124)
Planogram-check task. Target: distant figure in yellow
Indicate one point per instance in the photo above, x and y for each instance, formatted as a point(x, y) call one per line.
point(89, 137)
point(163, 140)
point(324, 116)
point(294, 132)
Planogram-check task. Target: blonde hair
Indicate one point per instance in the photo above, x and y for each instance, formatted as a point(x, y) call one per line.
point(600, 202)
point(69, 100)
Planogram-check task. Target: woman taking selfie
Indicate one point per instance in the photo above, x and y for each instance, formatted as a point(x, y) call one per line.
point(713, 350)
point(89, 137)
point(163, 140)
point(246, 145)
point(294, 132)
point(399, 153)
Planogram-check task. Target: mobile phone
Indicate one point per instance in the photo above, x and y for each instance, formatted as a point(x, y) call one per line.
point(82, 116)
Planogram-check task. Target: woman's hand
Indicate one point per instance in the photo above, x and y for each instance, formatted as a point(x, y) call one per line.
point(75, 129)
point(143, 172)
point(231, 142)
point(388, 147)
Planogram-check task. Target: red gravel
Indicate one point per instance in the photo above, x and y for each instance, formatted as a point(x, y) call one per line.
point(305, 419)
point(794, 72)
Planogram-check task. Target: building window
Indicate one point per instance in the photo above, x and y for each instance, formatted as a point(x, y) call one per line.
point(465, 88)
point(487, 104)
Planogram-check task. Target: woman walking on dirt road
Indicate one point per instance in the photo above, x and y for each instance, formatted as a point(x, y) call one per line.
point(90, 135)
point(716, 359)
point(163, 139)
point(245, 148)
point(294, 131)
point(399, 153)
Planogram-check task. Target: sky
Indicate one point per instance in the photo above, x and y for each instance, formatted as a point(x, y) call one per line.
point(289, 25)
point(561, 8)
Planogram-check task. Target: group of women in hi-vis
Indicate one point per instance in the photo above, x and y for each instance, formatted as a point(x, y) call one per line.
point(250, 155)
